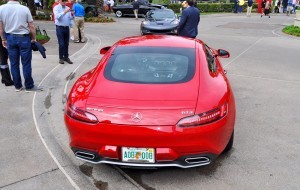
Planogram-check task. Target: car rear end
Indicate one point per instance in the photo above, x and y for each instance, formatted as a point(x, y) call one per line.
point(143, 109)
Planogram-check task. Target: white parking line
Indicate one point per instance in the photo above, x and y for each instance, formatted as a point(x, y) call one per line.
point(256, 42)
point(38, 128)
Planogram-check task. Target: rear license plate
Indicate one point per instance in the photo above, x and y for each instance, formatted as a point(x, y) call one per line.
point(145, 155)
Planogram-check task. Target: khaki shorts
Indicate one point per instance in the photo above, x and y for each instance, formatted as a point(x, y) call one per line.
point(289, 8)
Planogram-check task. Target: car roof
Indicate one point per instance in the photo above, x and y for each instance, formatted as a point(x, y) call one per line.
point(158, 40)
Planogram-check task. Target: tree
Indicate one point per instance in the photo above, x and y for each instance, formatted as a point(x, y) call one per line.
point(100, 8)
point(31, 7)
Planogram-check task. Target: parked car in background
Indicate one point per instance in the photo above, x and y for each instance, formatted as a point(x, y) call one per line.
point(162, 21)
point(153, 101)
point(89, 9)
point(127, 9)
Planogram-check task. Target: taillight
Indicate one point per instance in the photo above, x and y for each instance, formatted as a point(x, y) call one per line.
point(81, 115)
point(204, 118)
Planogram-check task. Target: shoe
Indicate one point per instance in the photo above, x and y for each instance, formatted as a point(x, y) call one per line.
point(68, 61)
point(72, 38)
point(19, 89)
point(76, 41)
point(61, 61)
point(82, 41)
point(34, 89)
point(269, 17)
point(260, 16)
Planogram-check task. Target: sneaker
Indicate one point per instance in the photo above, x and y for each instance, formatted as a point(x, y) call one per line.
point(34, 89)
point(76, 41)
point(72, 38)
point(19, 89)
point(68, 61)
point(61, 61)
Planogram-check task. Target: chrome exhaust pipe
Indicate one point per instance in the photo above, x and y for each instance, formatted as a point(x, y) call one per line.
point(85, 155)
point(197, 160)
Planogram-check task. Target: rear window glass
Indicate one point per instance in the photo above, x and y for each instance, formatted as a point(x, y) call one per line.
point(161, 14)
point(151, 65)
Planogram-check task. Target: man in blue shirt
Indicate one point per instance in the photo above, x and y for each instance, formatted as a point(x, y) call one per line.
point(63, 15)
point(79, 23)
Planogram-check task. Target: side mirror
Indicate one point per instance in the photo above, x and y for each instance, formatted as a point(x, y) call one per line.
point(104, 50)
point(223, 53)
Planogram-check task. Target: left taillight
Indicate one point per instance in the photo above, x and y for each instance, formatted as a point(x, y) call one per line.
point(80, 115)
point(204, 118)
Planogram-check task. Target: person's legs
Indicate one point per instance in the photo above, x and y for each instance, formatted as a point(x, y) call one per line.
point(14, 57)
point(26, 57)
point(76, 32)
point(4, 69)
point(135, 13)
point(66, 37)
point(81, 29)
point(60, 39)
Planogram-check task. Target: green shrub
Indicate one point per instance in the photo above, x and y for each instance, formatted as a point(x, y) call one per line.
point(213, 7)
point(292, 30)
point(98, 19)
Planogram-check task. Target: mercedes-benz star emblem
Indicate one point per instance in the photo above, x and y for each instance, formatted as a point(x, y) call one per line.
point(136, 117)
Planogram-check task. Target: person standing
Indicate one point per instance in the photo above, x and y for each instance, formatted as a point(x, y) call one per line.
point(15, 25)
point(111, 4)
point(53, 5)
point(289, 7)
point(276, 8)
point(188, 25)
point(263, 5)
point(79, 22)
point(63, 16)
point(267, 8)
point(136, 6)
point(249, 7)
point(4, 69)
point(235, 9)
point(241, 3)
point(284, 5)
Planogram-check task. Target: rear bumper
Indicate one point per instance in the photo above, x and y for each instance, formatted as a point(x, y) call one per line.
point(182, 162)
point(172, 144)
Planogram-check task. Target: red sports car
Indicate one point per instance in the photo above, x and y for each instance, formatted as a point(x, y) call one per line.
point(153, 101)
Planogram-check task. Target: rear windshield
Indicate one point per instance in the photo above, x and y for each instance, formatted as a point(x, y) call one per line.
point(151, 65)
point(161, 14)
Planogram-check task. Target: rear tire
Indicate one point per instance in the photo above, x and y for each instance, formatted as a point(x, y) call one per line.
point(230, 143)
point(119, 13)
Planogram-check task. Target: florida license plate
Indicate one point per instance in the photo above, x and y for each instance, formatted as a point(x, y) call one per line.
point(145, 155)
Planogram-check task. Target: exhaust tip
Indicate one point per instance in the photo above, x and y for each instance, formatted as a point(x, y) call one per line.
point(197, 160)
point(85, 155)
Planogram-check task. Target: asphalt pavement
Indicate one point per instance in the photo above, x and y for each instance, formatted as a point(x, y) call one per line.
point(264, 73)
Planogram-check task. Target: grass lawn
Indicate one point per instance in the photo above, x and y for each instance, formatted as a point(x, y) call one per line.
point(292, 30)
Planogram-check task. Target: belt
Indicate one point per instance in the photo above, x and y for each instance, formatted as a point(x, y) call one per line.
point(18, 34)
point(62, 26)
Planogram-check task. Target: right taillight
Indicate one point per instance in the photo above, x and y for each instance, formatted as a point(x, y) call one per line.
point(80, 115)
point(204, 118)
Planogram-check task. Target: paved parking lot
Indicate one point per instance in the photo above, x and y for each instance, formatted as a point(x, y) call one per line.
point(264, 73)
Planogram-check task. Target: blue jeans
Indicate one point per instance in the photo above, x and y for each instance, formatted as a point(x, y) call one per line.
point(20, 45)
point(63, 37)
